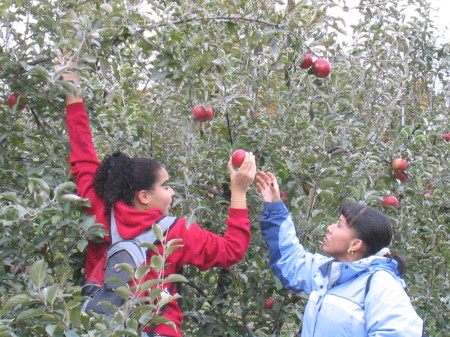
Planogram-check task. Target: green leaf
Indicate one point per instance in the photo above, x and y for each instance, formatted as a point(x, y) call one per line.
point(14, 301)
point(141, 272)
point(50, 293)
point(158, 232)
point(124, 292)
point(30, 314)
point(38, 273)
point(175, 278)
point(159, 75)
point(64, 186)
point(157, 262)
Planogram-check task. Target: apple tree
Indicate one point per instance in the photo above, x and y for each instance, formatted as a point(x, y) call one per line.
point(145, 65)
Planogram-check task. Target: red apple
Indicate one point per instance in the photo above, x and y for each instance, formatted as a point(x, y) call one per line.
point(400, 176)
point(306, 61)
point(238, 157)
point(203, 115)
point(399, 164)
point(209, 112)
point(390, 200)
point(17, 269)
point(268, 303)
point(283, 195)
point(321, 68)
point(13, 99)
point(447, 137)
point(427, 192)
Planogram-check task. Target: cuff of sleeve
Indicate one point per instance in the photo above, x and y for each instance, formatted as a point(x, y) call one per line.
point(274, 206)
point(74, 107)
point(238, 213)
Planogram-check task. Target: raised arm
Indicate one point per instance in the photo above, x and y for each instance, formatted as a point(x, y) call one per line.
point(292, 264)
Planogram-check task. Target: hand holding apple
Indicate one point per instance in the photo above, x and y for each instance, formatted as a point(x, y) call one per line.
point(241, 179)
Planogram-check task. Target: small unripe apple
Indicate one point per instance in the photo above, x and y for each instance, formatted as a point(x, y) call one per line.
point(238, 158)
point(13, 99)
point(268, 303)
point(306, 61)
point(321, 68)
point(203, 115)
point(399, 164)
point(400, 176)
point(390, 200)
point(447, 137)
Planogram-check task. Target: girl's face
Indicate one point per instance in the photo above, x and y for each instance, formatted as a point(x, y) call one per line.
point(339, 239)
point(160, 195)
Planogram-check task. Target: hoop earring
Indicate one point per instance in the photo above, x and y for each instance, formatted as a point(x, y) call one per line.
point(351, 252)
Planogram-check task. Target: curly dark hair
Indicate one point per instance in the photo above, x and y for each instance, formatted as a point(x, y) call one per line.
point(373, 228)
point(120, 176)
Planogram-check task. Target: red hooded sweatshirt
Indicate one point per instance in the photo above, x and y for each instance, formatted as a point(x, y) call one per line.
point(200, 247)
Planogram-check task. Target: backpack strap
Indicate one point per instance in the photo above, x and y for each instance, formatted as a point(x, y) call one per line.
point(369, 280)
point(122, 251)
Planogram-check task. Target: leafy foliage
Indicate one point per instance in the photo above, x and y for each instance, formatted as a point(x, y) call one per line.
point(144, 65)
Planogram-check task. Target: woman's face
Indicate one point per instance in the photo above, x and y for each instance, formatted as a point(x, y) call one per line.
point(160, 195)
point(338, 239)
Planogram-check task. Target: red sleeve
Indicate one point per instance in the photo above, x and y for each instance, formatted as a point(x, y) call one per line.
point(205, 249)
point(83, 158)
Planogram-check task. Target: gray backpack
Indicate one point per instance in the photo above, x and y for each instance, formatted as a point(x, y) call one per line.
point(121, 250)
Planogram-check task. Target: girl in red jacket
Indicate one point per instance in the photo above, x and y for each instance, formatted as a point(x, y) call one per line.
point(136, 190)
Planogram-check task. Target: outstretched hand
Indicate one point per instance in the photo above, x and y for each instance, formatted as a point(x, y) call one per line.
point(267, 185)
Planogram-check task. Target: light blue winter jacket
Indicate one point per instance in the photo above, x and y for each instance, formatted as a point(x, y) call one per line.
point(337, 305)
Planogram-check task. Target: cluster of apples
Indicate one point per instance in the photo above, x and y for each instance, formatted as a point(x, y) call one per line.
point(319, 68)
point(203, 114)
point(399, 166)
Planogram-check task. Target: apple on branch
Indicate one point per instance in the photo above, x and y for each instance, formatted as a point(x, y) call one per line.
point(203, 115)
point(13, 99)
point(400, 176)
point(390, 200)
point(268, 303)
point(320, 68)
point(306, 61)
point(399, 164)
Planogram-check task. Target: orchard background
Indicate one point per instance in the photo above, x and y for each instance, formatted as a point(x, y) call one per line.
point(144, 66)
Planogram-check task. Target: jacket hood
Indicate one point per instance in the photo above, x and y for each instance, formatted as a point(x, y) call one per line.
point(341, 272)
point(132, 222)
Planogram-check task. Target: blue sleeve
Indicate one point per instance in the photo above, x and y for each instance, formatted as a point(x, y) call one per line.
point(389, 311)
point(292, 264)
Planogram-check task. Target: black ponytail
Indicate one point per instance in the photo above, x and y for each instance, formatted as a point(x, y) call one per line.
point(119, 177)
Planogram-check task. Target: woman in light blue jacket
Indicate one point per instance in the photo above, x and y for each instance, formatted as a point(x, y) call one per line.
point(355, 292)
